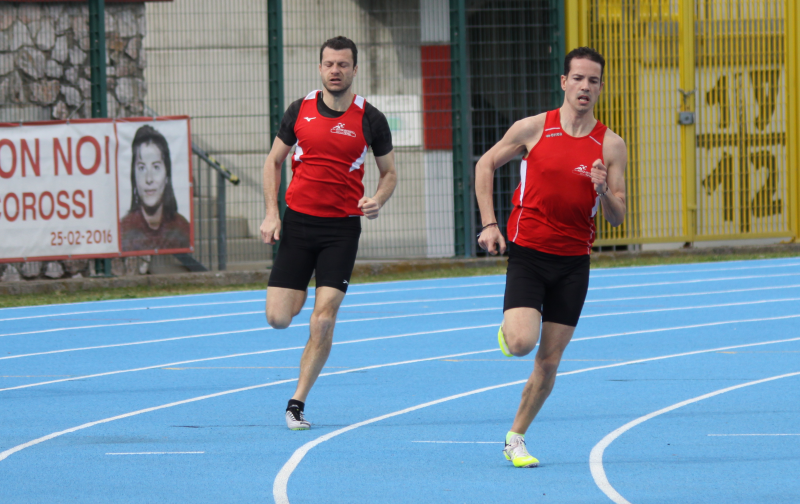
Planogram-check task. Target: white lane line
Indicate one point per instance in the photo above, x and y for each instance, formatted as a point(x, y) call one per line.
point(146, 308)
point(602, 336)
point(75, 328)
point(145, 342)
point(260, 312)
point(460, 442)
point(138, 308)
point(410, 315)
point(613, 273)
point(693, 326)
point(231, 356)
point(701, 280)
point(484, 284)
point(697, 307)
point(5, 454)
point(736, 435)
point(279, 486)
point(686, 294)
point(596, 456)
point(708, 270)
point(430, 300)
point(158, 453)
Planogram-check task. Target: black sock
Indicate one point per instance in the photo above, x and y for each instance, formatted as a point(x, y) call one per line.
point(294, 403)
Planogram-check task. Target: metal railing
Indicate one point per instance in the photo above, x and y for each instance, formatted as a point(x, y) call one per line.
point(206, 213)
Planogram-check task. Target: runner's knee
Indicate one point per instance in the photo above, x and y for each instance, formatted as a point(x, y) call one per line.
point(323, 321)
point(519, 343)
point(278, 320)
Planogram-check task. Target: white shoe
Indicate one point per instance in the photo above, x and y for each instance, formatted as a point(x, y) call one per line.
point(296, 422)
point(516, 452)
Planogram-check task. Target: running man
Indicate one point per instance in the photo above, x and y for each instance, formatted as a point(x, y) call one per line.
point(572, 165)
point(331, 131)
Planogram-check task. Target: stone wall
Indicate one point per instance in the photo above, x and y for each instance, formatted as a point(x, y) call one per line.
point(45, 74)
point(44, 61)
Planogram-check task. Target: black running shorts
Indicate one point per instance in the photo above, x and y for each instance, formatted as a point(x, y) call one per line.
point(308, 243)
point(555, 285)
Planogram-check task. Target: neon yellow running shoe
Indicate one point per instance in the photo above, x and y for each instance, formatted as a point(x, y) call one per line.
point(501, 338)
point(516, 452)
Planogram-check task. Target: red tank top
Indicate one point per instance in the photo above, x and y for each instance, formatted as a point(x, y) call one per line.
point(555, 202)
point(328, 161)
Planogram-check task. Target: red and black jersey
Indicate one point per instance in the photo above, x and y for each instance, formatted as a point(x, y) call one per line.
point(555, 202)
point(328, 161)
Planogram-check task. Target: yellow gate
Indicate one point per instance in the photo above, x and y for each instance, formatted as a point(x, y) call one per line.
point(698, 90)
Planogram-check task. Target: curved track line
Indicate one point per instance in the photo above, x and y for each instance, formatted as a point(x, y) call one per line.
point(279, 486)
point(260, 352)
point(596, 456)
point(5, 454)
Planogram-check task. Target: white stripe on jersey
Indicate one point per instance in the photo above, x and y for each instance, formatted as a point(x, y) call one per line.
point(360, 161)
point(298, 151)
point(523, 171)
point(312, 94)
point(359, 102)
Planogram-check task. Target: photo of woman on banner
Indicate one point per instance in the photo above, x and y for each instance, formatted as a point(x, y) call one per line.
point(153, 221)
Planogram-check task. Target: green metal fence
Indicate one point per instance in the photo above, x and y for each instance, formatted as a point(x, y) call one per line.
point(209, 60)
point(450, 75)
point(515, 52)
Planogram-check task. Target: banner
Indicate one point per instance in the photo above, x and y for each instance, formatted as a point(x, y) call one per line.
point(95, 188)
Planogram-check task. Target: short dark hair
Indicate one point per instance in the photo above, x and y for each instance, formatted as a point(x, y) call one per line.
point(339, 43)
point(584, 53)
point(149, 135)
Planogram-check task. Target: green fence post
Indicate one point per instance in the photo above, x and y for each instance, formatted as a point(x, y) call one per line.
point(462, 155)
point(97, 63)
point(276, 109)
point(559, 49)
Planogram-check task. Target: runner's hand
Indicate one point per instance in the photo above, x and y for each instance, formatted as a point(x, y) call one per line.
point(370, 207)
point(271, 229)
point(599, 176)
point(490, 237)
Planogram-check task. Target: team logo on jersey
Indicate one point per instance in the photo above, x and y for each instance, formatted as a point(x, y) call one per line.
point(583, 171)
point(550, 135)
point(309, 119)
point(340, 130)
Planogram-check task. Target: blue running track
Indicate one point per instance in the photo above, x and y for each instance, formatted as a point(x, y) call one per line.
point(681, 384)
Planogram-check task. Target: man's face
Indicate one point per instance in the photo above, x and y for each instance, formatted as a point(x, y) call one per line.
point(583, 84)
point(337, 70)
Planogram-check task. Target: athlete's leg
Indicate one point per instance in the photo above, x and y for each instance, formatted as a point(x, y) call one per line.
point(555, 338)
point(283, 304)
point(521, 329)
point(326, 306)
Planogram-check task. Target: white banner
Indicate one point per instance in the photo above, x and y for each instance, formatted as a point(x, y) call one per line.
point(95, 188)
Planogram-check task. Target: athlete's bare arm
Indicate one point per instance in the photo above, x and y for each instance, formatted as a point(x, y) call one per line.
point(271, 227)
point(521, 137)
point(609, 179)
point(386, 184)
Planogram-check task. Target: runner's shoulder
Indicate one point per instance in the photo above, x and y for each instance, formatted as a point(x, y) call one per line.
point(528, 130)
point(613, 141)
